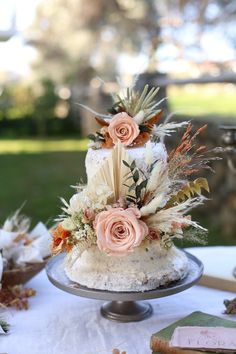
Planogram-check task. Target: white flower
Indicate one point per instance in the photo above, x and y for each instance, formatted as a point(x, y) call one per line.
point(85, 232)
point(68, 224)
point(76, 202)
point(94, 197)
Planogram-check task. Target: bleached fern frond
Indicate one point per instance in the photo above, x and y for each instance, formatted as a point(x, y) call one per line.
point(167, 129)
point(163, 219)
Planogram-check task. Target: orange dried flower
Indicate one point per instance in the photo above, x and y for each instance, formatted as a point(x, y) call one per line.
point(107, 143)
point(60, 240)
point(16, 296)
point(141, 139)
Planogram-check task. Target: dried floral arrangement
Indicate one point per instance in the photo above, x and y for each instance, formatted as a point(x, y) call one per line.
point(123, 205)
point(20, 246)
point(131, 120)
point(16, 296)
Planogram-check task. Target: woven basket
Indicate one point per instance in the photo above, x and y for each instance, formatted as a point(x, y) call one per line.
point(22, 275)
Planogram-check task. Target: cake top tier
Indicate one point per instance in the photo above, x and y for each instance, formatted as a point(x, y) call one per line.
point(131, 120)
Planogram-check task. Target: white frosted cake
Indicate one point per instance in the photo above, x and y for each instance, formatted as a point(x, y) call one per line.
point(94, 158)
point(148, 267)
point(118, 230)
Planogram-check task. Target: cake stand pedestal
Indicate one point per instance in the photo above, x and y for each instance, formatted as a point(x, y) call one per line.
point(123, 306)
point(126, 311)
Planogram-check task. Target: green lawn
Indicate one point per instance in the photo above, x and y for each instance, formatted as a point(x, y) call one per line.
point(34, 172)
point(202, 101)
point(42, 145)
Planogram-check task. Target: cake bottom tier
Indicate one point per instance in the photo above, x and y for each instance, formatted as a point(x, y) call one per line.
point(147, 268)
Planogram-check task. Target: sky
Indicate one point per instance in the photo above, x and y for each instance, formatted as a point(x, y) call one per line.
point(15, 55)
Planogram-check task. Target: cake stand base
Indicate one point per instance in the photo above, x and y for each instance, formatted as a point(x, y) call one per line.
point(123, 306)
point(126, 311)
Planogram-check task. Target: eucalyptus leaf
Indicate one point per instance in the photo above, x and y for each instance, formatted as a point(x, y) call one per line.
point(138, 191)
point(136, 176)
point(143, 184)
point(133, 165)
point(131, 200)
point(126, 163)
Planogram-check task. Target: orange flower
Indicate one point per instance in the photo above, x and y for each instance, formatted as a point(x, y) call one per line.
point(60, 240)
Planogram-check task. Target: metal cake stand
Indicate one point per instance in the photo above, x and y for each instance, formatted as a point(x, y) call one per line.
point(122, 306)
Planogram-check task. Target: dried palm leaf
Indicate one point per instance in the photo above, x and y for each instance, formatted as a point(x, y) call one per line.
point(112, 172)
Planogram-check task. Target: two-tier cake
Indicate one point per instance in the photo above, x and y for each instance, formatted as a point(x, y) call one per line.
point(118, 230)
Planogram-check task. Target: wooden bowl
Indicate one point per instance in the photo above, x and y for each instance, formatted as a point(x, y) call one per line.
point(22, 275)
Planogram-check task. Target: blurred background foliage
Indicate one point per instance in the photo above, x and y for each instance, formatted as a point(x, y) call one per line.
point(52, 53)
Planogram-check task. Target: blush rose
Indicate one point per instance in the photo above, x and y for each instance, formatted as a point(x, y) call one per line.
point(119, 230)
point(123, 128)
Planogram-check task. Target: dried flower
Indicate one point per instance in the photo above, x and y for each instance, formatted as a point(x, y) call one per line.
point(119, 231)
point(60, 240)
point(153, 235)
point(123, 128)
point(16, 296)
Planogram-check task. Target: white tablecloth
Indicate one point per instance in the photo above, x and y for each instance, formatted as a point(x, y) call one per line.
point(61, 323)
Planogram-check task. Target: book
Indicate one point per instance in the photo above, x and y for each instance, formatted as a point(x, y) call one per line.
point(160, 340)
point(217, 275)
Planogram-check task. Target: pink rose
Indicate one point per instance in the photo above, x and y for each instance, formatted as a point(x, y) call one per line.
point(153, 234)
point(123, 128)
point(119, 230)
point(88, 215)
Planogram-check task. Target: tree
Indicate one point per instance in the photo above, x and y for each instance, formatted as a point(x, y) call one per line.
point(78, 38)
point(44, 105)
point(186, 23)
